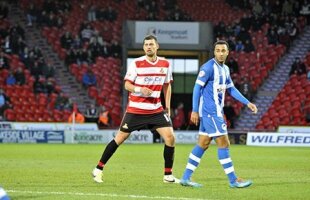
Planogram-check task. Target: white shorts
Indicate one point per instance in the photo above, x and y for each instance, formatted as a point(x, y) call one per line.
point(212, 126)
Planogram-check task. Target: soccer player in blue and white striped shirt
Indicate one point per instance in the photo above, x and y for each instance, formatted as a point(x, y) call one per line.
point(208, 100)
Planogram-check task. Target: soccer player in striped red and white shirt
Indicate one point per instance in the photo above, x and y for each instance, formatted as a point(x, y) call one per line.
point(146, 77)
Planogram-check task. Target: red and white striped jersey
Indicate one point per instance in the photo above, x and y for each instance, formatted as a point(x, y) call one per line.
point(143, 73)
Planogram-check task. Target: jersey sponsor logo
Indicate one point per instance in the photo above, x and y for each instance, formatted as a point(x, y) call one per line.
point(125, 126)
point(162, 70)
point(154, 80)
point(201, 74)
point(224, 127)
point(221, 89)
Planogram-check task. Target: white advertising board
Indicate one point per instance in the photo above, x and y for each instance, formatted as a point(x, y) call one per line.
point(105, 136)
point(278, 139)
point(294, 129)
point(168, 32)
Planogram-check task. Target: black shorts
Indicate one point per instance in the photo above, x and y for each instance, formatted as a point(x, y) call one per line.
point(132, 122)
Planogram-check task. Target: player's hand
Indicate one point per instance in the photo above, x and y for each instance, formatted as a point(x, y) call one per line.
point(195, 118)
point(146, 91)
point(252, 107)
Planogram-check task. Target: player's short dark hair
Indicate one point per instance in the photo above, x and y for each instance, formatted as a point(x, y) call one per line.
point(150, 37)
point(221, 42)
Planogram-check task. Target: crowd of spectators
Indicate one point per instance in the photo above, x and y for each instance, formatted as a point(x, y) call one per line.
point(282, 19)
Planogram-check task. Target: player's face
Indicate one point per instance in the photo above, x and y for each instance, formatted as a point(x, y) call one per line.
point(221, 53)
point(150, 47)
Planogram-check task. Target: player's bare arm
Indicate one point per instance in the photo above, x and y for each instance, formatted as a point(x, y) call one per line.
point(167, 95)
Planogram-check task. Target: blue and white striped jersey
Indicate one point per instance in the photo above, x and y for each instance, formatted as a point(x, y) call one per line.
point(214, 79)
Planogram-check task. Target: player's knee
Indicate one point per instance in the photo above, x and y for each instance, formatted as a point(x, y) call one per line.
point(121, 137)
point(169, 139)
point(204, 145)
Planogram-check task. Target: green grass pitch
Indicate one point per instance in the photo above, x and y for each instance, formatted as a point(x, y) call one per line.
point(58, 171)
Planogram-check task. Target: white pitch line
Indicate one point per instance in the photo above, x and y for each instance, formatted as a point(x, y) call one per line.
point(104, 195)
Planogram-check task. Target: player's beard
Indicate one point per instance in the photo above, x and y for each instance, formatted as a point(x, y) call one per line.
point(151, 55)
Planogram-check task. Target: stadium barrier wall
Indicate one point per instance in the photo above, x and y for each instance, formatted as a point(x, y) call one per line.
point(47, 126)
point(98, 136)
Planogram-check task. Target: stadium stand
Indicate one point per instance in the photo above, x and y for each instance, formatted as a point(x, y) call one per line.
point(265, 66)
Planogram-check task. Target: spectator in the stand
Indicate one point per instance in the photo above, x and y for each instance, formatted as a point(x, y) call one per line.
point(248, 46)
point(36, 70)
point(239, 46)
point(230, 114)
point(97, 37)
point(76, 117)
point(95, 49)
point(116, 49)
point(245, 88)
point(296, 8)
point(66, 40)
point(273, 37)
point(87, 33)
point(20, 76)
point(232, 42)
point(31, 14)
point(50, 85)
point(42, 19)
point(39, 85)
point(5, 102)
point(4, 10)
point(233, 65)
point(110, 14)
point(287, 7)
point(83, 56)
point(10, 79)
point(305, 10)
point(277, 8)
point(179, 117)
point(62, 102)
point(244, 35)
point(219, 30)
point(7, 46)
point(298, 67)
point(257, 8)
point(292, 30)
point(4, 62)
point(37, 52)
point(24, 56)
point(92, 114)
point(72, 56)
point(267, 7)
point(48, 70)
point(89, 79)
point(77, 42)
point(17, 29)
point(52, 20)
point(105, 50)
point(91, 14)
point(104, 118)
point(257, 23)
